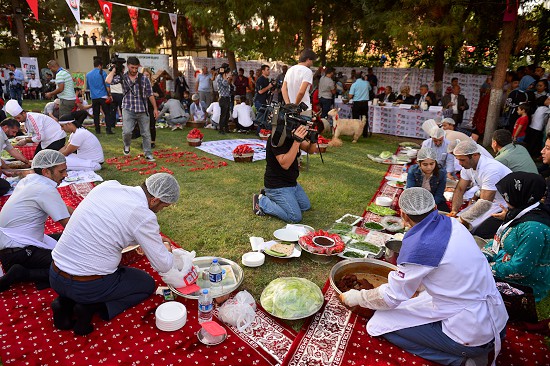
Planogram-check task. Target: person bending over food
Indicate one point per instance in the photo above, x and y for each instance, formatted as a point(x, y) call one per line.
point(460, 317)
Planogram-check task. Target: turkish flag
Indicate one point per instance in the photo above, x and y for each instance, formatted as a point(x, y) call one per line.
point(155, 18)
point(133, 12)
point(33, 4)
point(107, 9)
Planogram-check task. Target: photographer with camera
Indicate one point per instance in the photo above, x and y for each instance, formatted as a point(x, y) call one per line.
point(100, 93)
point(263, 86)
point(224, 80)
point(283, 196)
point(137, 89)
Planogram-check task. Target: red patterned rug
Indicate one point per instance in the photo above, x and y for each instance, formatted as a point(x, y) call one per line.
point(27, 336)
point(335, 336)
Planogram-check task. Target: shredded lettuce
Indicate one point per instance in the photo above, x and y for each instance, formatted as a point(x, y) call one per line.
point(291, 298)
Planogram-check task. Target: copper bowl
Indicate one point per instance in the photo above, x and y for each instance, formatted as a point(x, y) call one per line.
point(360, 267)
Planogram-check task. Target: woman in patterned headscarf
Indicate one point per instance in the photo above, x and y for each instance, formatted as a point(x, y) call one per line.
point(520, 252)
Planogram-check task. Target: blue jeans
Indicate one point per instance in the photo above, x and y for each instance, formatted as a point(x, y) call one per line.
point(428, 341)
point(326, 104)
point(129, 120)
point(121, 290)
point(286, 203)
point(17, 94)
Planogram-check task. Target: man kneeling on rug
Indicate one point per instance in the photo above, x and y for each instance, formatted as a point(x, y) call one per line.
point(85, 271)
point(25, 252)
point(283, 196)
point(460, 317)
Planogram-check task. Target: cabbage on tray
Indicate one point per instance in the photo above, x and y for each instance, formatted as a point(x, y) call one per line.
point(291, 298)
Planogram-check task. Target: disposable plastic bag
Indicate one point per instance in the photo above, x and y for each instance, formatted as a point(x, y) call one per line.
point(240, 311)
point(183, 272)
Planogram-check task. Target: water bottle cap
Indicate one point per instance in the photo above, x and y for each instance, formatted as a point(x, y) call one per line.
point(215, 260)
point(204, 291)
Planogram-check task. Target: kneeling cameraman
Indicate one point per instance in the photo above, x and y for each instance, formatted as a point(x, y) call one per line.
point(283, 196)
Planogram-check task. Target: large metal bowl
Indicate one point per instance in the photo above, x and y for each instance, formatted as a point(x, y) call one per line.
point(221, 294)
point(357, 267)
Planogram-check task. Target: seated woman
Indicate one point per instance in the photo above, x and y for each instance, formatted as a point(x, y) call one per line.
point(520, 251)
point(405, 97)
point(429, 175)
point(83, 151)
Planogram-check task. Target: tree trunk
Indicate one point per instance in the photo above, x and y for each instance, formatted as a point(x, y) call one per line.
point(231, 59)
point(174, 47)
point(504, 50)
point(324, 34)
point(19, 29)
point(543, 33)
point(439, 68)
point(308, 36)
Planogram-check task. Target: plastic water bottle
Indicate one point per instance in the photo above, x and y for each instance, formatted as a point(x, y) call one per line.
point(215, 274)
point(205, 306)
point(404, 170)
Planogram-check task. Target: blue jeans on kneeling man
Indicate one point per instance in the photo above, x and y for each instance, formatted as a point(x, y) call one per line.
point(286, 203)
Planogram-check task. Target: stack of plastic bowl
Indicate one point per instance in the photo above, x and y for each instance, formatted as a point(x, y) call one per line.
point(171, 316)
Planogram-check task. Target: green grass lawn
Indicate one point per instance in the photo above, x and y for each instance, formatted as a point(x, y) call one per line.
point(214, 214)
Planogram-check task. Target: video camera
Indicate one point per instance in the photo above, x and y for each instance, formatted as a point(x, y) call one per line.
point(276, 84)
point(117, 63)
point(223, 69)
point(285, 119)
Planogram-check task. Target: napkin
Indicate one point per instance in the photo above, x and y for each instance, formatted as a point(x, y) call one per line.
point(299, 229)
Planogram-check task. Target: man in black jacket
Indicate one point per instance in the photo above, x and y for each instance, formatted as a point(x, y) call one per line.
point(425, 96)
point(457, 103)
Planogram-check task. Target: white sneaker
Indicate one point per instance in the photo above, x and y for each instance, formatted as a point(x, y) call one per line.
point(174, 128)
point(149, 158)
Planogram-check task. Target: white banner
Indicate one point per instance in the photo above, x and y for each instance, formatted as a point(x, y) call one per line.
point(174, 22)
point(29, 65)
point(153, 61)
point(74, 5)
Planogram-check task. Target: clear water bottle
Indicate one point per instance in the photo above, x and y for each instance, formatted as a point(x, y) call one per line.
point(215, 274)
point(404, 169)
point(205, 306)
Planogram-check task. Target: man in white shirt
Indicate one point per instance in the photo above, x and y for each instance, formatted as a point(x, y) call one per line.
point(34, 86)
point(214, 111)
point(243, 114)
point(43, 129)
point(85, 270)
point(460, 317)
point(177, 116)
point(25, 252)
point(83, 151)
point(483, 173)
point(298, 80)
point(8, 129)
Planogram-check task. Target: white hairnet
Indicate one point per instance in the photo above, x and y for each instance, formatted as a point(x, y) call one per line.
point(416, 201)
point(426, 153)
point(47, 158)
point(437, 133)
point(428, 125)
point(449, 121)
point(164, 187)
point(452, 145)
point(467, 147)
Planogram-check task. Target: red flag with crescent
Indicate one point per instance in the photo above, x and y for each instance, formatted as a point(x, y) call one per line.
point(155, 18)
point(33, 4)
point(133, 12)
point(107, 9)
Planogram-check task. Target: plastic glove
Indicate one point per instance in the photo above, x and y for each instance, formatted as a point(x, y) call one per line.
point(351, 298)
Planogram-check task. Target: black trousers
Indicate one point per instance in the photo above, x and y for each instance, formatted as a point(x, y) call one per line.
point(533, 141)
point(488, 228)
point(97, 105)
point(4, 186)
point(361, 108)
point(225, 104)
point(56, 145)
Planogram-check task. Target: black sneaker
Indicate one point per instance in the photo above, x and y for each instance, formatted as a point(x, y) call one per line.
point(126, 151)
point(256, 205)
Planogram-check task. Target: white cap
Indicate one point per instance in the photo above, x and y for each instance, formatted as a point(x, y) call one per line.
point(449, 121)
point(57, 101)
point(65, 119)
point(452, 145)
point(467, 147)
point(428, 125)
point(47, 158)
point(437, 133)
point(426, 153)
point(416, 201)
point(13, 108)
point(164, 187)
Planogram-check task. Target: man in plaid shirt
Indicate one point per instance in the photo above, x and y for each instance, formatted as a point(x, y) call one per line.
point(137, 89)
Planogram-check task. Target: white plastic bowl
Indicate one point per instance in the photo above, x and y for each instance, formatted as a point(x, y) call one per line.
point(383, 201)
point(412, 153)
point(253, 259)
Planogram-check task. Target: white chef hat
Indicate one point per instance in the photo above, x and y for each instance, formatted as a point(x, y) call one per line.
point(428, 125)
point(164, 187)
point(13, 108)
point(466, 147)
point(437, 133)
point(416, 201)
point(47, 158)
